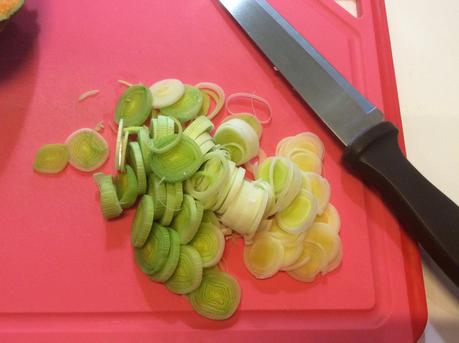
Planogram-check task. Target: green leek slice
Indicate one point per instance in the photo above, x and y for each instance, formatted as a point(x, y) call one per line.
point(135, 160)
point(210, 244)
point(88, 150)
point(210, 217)
point(172, 260)
point(264, 257)
point(152, 256)
point(218, 296)
point(51, 158)
point(126, 187)
point(179, 163)
point(188, 274)
point(169, 208)
point(187, 107)
point(198, 126)
point(119, 145)
point(143, 220)
point(186, 222)
point(157, 190)
point(143, 137)
point(109, 202)
point(134, 106)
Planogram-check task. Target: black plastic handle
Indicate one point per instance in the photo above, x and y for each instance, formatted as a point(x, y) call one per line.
point(428, 215)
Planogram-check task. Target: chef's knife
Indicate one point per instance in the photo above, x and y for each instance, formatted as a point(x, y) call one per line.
point(372, 151)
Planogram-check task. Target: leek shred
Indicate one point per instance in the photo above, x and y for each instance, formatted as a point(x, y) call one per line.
point(157, 190)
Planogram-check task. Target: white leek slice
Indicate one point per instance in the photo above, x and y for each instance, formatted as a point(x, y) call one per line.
point(306, 141)
point(320, 188)
point(292, 254)
point(323, 235)
point(331, 217)
point(237, 133)
point(299, 215)
point(245, 213)
point(288, 239)
point(166, 92)
point(315, 263)
point(236, 186)
point(264, 257)
point(306, 160)
point(336, 262)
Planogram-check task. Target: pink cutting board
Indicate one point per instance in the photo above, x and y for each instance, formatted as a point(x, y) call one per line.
point(68, 275)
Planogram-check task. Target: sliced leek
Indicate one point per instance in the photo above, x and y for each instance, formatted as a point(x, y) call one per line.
point(126, 187)
point(172, 260)
point(218, 296)
point(152, 256)
point(210, 244)
point(109, 202)
point(143, 137)
point(188, 274)
point(88, 150)
point(186, 222)
point(134, 106)
point(299, 215)
point(179, 163)
point(143, 220)
point(264, 257)
point(331, 217)
point(166, 92)
point(51, 158)
point(327, 238)
point(187, 107)
point(135, 160)
point(320, 188)
point(239, 138)
point(315, 263)
point(198, 126)
point(157, 189)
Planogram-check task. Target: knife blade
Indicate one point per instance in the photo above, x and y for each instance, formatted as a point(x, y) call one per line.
point(372, 151)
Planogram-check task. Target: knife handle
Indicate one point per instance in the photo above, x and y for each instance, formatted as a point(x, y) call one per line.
point(428, 215)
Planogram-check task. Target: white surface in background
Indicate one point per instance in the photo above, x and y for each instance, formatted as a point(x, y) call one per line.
point(425, 47)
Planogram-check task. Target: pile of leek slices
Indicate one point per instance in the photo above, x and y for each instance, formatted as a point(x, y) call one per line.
point(189, 182)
